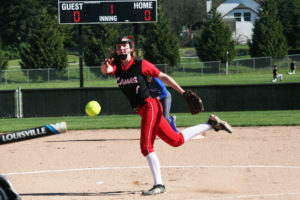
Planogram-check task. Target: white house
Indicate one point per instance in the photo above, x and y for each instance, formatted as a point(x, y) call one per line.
point(242, 15)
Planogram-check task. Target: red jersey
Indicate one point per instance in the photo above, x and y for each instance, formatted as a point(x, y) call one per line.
point(148, 69)
point(132, 79)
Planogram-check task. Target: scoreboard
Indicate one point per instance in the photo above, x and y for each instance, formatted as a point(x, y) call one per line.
point(109, 12)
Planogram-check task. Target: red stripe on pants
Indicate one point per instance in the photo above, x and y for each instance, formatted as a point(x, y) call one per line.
point(154, 124)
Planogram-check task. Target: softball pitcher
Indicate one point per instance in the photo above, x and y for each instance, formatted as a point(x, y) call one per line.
point(131, 75)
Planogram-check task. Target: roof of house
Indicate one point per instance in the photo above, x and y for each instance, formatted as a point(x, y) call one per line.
point(227, 8)
point(219, 2)
point(240, 6)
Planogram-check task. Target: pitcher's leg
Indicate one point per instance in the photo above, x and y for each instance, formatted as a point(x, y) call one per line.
point(154, 165)
point(151, 115)
point(192, 131)
point(149, 118)
point(167, 134)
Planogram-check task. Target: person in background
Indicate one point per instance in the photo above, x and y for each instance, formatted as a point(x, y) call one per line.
point(293, 67)
point(159, 90)
point(276, 74)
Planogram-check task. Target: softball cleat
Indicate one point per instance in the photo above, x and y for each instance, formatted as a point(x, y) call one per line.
point(157, 189)
point(217, 124)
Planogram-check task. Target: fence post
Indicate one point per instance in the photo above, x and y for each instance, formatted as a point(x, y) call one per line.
point(68, 74)
point(226, 67)
point(165, 68)
point(48, 74)
point(5, 76)
point(226, 63)
point(18, 103)
point(27, 75)
point(271, 63)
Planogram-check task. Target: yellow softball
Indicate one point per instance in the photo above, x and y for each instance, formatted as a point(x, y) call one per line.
point(92, 108)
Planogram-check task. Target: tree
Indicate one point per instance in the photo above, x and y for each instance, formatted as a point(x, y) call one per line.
point(184, 14)
point(98, 44)
point(50, 6)
point(289, 17)
point(214, 41)
point(44, 48)
point(160, 45)
point(16, 19)
point(3, 60)
point(268, 38)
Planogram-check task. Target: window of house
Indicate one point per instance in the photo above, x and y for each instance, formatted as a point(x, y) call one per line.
point(237, 17)
point(247, 16)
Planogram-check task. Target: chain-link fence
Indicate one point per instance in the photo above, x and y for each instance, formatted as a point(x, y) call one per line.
point(235, 66)
point(93, 73)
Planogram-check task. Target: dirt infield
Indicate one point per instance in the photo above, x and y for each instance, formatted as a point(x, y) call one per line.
point(252, 163)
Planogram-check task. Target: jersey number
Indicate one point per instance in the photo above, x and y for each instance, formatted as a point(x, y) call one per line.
point(137, 89)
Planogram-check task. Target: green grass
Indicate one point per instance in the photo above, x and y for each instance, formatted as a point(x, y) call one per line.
point(250, 118)
point(184, 49)
point(243, 57)
point(242, 78)
point(16, 62)
point(189, 60)
point(241, 46)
